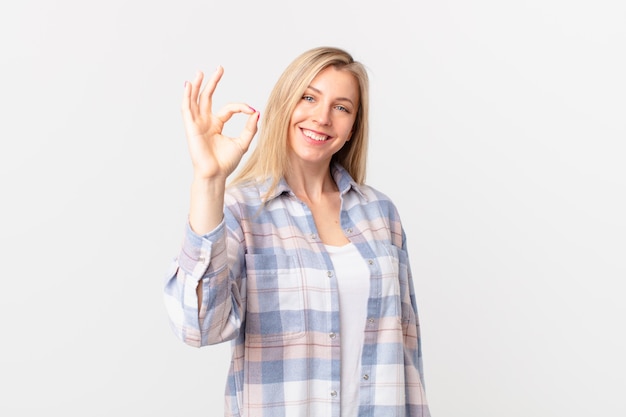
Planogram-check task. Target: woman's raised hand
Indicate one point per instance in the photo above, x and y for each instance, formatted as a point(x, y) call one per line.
point(213, 155)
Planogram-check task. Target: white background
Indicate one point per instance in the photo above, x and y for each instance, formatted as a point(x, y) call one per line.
point(498, 128)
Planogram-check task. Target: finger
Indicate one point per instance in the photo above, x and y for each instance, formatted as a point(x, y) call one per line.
point(186, 94)
point(230, 109)
point(185, 105)
point(195, 87)
point(206, 97)
point(249, 131)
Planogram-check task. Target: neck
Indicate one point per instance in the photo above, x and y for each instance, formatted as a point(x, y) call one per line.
point(311, 183)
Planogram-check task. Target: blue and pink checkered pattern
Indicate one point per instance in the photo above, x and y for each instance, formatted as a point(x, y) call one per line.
point(269, 287)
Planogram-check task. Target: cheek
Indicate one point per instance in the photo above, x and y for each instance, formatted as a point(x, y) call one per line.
point(347, 130)
point(297, 114)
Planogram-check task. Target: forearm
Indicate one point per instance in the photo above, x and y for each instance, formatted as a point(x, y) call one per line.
point(209, 316)
point(207, 204)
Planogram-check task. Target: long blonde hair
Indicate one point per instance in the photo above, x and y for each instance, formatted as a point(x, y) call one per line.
point(269, 158)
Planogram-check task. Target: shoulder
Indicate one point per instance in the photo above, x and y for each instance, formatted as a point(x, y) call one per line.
point(379, 202)
point(247, 191)
point(368, 194)
point(244, 197)
point(373, 195)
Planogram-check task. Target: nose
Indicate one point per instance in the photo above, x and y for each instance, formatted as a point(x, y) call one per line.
point(322, 115)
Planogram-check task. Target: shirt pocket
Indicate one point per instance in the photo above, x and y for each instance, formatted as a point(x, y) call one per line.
point(275, 299)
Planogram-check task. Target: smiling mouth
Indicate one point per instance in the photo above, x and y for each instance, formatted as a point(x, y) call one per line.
point(314, 136)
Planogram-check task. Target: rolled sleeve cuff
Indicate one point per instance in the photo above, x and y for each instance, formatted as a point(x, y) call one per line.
point(197, 250)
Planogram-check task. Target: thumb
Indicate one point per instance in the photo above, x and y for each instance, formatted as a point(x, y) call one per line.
point(249, 130)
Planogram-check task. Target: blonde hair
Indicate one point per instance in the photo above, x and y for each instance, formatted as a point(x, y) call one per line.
point(269, 158)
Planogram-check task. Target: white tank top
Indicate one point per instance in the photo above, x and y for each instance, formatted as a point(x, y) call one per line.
point(353, 282)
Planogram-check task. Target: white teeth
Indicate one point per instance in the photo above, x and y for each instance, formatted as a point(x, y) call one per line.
point(313, 136)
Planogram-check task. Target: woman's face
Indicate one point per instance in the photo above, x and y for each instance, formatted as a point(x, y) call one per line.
point(323, 119)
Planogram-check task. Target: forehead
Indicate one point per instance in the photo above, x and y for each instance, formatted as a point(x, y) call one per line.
point(336, 82)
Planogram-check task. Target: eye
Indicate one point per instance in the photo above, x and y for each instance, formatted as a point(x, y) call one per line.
point(308, 98)
point(342, 108)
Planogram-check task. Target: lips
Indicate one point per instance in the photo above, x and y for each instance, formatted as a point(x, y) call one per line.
point(315, 136)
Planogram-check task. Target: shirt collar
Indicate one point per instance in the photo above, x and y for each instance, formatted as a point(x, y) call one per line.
point(342, 178)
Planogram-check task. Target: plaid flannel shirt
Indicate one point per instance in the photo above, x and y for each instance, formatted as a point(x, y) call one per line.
point(269, 287)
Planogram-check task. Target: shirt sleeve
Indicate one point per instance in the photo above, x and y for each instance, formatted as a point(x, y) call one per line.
point(410, 315)
point(215, 262)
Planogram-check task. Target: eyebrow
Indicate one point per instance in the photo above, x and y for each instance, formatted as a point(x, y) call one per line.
point(338, 98)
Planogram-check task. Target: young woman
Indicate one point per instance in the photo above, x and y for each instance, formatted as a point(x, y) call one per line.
point(297, 262)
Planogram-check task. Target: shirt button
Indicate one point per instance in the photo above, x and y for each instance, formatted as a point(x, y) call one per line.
point(366, 377)
point(332, 335)
point(333, 393)
point(370, 320)
point(313, 236)
point(349, 230)
point(369, 261)
point(330, 274)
